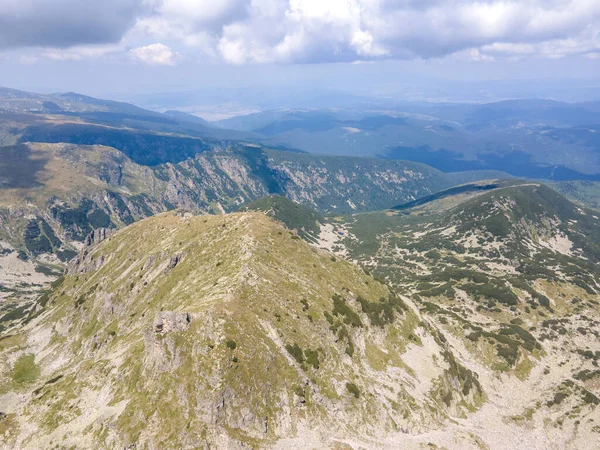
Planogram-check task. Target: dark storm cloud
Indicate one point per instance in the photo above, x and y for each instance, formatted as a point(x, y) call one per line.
point(64, 23)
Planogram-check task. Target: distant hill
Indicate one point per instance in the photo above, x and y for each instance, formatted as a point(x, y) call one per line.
point(12, 100)
point(80, 119)
point(542, 139)
point(185, 117)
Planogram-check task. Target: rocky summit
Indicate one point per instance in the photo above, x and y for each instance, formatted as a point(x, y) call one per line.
point(184, 331)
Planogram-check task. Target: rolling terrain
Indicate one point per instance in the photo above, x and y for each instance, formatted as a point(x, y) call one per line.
point(510, 275)
point(473, 323)
point(526, 138)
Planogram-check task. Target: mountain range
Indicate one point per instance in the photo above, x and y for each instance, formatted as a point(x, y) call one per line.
point(525, 138)
point(169, 283)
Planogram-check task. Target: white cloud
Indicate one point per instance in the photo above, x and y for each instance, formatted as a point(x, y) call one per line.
point(258, 31)
point(284, 31)
point(27, 60)
point(155, 54)
point(80, 52)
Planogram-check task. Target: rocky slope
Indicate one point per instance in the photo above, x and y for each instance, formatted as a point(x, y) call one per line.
point(510, 274)
point(53, 195)
point(230, 331)
point(184, 331)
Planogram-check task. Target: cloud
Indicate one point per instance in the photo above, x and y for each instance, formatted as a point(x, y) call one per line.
point(28, 60)
point(281, 31)
point(65, 23)
point(80, 52)
point(155, 54)
point(310, 31)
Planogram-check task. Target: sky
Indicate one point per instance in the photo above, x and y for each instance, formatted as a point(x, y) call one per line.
point(134, 48)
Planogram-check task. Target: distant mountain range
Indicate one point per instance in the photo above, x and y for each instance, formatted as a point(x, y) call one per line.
point(529, 138)
point(540, 139)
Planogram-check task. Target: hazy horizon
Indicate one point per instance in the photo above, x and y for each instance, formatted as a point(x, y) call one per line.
point(456, 51)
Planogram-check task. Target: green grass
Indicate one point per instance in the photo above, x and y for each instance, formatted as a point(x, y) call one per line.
point(353, 389)
point(293, 215)
point(341, 308)
point(25, 370)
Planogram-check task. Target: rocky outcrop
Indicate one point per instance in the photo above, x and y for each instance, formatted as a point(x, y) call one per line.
point(97, 236)
point(83, 262)
point(169, 321)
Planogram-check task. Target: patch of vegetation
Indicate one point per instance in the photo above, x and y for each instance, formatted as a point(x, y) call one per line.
point(312, 357)
point(457, 274)
point(558, 398)
point(382, 313)
point(528, 340)
point(99, 219)
point(445, 289)
point(296, 351)
point(524, 285)
point(293, 215)
point(590, 398)
point(467, 378)
point(588, 354)
point(341, 308)
point(587, 374)
point(507, 346)
point(48, 271)
point(498, 225)
point(25, 370)
point(36, 242)
point(231, 344)
point(16, 314)
point(353, 389)
point(495, 290)
point(66, 255)
point(298, 390)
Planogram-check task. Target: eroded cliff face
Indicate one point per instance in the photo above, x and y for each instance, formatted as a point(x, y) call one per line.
point(228, 331)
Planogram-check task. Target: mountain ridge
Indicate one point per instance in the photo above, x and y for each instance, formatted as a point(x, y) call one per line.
point(264, 336)
point(54, 195)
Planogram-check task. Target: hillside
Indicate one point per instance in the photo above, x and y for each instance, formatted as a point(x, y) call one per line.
point(230, 332)
point(586, 193)
point(79, 119)
point(526, 138)
point(21, 102)
point(52, 196)
point(510, 274)
point(304, 221)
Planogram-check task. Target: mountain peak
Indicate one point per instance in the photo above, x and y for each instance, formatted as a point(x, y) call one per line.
point(228, 327)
